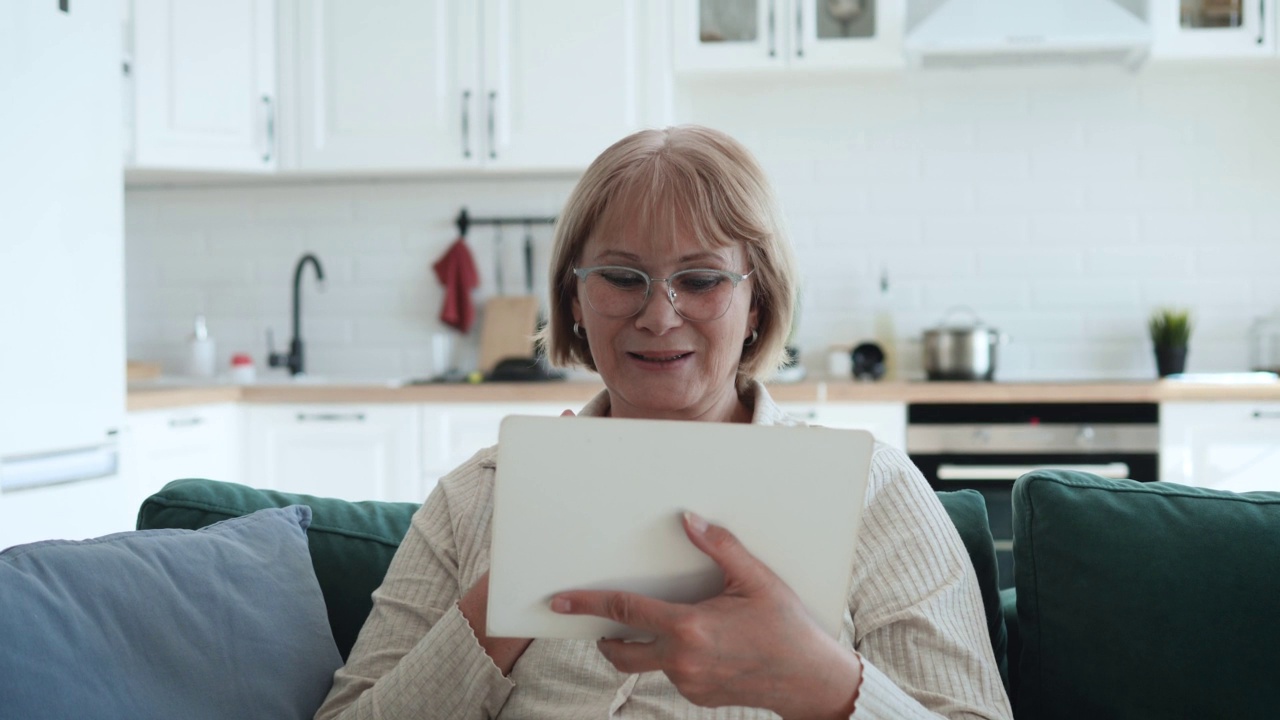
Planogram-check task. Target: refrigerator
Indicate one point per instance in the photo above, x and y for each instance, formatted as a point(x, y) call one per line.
point(62, 364)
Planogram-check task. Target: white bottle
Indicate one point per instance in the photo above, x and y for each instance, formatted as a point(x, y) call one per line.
point(201, 356)
point(885, 335)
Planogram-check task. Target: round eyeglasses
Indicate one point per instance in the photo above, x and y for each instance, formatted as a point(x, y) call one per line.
point(697, 294)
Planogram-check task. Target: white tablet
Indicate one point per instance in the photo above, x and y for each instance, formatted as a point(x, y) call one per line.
point(596, 503)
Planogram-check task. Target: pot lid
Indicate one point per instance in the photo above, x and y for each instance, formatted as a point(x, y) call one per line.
point(961, 317)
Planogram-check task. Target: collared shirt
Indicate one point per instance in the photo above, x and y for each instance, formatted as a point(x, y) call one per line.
point(914, 617)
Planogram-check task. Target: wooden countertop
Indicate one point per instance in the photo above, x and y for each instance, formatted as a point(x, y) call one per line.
point(159, 396)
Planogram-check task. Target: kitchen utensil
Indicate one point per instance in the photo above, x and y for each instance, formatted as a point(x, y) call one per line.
point(868, 361)
point(499, 286)
point(964, 350)
point(509, 324)
point(845, 12)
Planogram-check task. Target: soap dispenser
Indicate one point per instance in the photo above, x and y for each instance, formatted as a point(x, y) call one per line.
point(201, 357)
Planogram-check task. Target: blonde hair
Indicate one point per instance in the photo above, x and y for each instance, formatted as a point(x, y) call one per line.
point(656, 182)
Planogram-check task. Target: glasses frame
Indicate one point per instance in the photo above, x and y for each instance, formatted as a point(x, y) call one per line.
point(733, 277)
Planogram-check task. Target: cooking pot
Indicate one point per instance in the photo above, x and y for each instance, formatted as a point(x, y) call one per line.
point(961, 350)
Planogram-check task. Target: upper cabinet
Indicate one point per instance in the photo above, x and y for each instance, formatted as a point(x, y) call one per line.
point(712, 35)
point(456, 84)
point(1213, 28)
point(201, 78)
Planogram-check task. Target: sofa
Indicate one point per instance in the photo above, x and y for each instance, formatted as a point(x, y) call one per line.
point(1130, 601)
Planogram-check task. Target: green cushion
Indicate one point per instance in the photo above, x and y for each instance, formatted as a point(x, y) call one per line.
point(351, 543)
point(1145, 600)
point(968, 513)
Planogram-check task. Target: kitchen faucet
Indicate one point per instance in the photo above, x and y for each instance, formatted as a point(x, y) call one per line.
point(293, 360)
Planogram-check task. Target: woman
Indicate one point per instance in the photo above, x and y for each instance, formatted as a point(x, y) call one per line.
point(673, 279)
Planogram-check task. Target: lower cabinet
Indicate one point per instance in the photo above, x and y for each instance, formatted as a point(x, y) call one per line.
point(352, 452)
point(451, 434)
point(886, 421)
point(1223, 446)
point(192, 442)
point(69, 511)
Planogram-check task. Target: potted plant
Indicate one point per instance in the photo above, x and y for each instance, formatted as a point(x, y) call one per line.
point(1170, 329)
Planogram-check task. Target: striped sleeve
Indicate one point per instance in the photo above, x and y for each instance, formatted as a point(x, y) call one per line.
point(416, 655)
point(918, 618)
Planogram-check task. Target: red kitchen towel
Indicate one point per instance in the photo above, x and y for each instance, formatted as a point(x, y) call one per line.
point(456, 270)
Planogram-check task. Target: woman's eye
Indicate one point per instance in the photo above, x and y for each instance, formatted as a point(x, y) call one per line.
point(626, 280)
point(700, 281)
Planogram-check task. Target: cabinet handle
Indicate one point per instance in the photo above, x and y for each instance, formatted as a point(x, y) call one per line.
point(331, 417)
point(799, 30)
point(773, 35)
point(186, 422)
point(493, 144)
point(466, 123)
point(1265, 415)
point(58, 468)
point(271, 127)
point(1117, 470)
point(1262, 22)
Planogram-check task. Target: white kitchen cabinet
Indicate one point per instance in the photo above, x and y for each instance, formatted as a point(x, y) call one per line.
point(194, 442)
point(70, 511)
point(1213, 28)
point(886, 421)
point(1224, 446)
point(452, 433)
point(456, 84)
point(203, 84)
point(753, 35)
point(353, 452)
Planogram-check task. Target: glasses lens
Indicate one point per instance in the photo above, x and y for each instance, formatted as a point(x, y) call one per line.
point(616, 292)
point(702, 294)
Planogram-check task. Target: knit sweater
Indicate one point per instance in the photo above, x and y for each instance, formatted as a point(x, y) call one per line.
point(914, 617)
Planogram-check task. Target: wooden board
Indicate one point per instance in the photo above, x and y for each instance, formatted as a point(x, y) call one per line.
point(509, 324)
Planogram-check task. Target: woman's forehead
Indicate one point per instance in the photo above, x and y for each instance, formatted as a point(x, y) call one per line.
point(659, 229)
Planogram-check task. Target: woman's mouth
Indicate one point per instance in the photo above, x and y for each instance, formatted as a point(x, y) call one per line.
point(659, 359)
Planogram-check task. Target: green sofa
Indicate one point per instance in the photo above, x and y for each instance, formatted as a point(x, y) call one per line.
point(1131, 600)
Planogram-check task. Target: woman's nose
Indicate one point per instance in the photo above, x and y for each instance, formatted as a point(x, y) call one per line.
point(659, 312)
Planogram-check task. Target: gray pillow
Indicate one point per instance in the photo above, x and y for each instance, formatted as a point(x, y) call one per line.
point(223, 622)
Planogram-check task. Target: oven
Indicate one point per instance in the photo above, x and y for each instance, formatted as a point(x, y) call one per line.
point(986, 446)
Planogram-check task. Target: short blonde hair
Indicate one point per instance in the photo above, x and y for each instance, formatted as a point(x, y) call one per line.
point(655, 182)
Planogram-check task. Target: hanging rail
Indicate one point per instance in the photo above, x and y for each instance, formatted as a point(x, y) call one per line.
point(465, 221)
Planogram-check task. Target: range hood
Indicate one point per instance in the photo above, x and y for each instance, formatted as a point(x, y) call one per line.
point(1023, 32)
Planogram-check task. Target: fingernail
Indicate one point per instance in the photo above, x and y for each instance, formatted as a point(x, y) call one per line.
point(559, 605)
point(696, 522)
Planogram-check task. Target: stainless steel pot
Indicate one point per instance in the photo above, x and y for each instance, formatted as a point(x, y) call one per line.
point(961, 350)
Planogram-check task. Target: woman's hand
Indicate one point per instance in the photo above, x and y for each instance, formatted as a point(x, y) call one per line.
point(475, 608)
point(754, 644)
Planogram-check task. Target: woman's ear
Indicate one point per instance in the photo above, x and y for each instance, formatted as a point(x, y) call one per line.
point(576, 309)
point(753, 320)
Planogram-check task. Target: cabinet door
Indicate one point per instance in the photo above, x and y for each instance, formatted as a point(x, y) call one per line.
point(563, 80)
point(348, 452)
point(166, 445)
point(204, 84)
point(388, 84)
point(886, 421)
point(731, 34)
point(847, 34)
point(1223, 446)
point(1213, 28)
point(453, 433)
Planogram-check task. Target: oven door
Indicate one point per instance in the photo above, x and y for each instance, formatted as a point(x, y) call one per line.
point(993, 477)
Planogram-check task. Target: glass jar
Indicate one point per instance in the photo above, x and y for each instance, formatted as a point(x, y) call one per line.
point(1264, 344)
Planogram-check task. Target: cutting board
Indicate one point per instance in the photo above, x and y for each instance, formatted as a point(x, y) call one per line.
point(509, 324)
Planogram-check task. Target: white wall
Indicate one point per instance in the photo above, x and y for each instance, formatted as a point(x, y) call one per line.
point(1062, 205)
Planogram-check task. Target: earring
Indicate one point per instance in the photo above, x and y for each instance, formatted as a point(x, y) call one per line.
point(578, 332)
point(755, 335)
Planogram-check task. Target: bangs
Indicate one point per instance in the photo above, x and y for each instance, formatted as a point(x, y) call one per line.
point(658, 200)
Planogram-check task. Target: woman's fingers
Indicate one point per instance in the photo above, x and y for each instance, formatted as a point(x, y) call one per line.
point(743, 572)
point(637, 611)
point(631, 657)
point(567, 413)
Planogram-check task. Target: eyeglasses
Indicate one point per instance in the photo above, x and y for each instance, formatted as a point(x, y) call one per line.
point(699, 294)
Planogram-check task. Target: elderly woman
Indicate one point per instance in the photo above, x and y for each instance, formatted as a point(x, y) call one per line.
point(673, 279)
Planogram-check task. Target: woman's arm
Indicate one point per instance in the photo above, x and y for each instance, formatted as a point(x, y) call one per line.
point(417, 654)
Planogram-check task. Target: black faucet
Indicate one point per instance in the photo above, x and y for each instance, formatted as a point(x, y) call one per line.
point(293, 360)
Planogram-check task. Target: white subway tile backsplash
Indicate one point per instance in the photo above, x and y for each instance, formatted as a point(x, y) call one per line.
point(1063, 205)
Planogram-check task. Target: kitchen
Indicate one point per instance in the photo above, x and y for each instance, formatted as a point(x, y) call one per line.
point(1062, 202)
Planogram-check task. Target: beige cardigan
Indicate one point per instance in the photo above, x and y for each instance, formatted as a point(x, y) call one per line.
point(915, 616)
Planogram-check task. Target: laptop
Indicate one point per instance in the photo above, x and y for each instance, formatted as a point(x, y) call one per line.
point(596, 503)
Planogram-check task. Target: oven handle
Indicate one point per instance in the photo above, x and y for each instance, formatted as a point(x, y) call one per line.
point(1116, 470)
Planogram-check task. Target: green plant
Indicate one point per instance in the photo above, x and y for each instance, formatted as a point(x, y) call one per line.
point(1170, 327)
